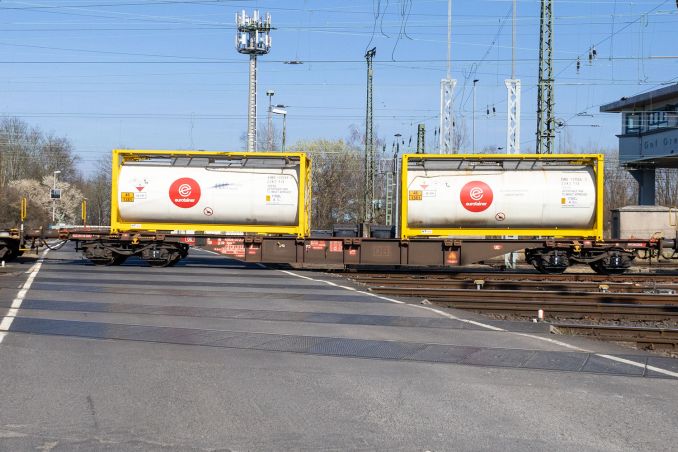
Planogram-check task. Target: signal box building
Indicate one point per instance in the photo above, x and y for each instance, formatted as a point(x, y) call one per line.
point(649, 137)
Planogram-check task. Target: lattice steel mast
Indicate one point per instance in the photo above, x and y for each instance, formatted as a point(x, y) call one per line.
point(545, 102)
point(447, 95)
point(369, 143)
point(513, 99)
point(252, 38)
point(421, 138)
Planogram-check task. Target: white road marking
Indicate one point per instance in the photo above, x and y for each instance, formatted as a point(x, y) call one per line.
point(7, 320)
point(494, 328)
point(260, 265)
point(206, 251)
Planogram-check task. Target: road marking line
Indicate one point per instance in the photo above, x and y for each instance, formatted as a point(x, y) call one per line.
point(7, 320)
point(495, 328)
point(258, 264)
point(206, 251)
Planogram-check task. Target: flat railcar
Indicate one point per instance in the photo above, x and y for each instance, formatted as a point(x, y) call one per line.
point(188, 193)
point(10, 244)
point(455, 210)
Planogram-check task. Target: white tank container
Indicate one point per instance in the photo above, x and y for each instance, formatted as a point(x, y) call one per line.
point(539, 198)
point(237, 196)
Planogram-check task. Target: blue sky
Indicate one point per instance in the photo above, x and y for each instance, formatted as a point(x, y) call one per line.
point(165, 73)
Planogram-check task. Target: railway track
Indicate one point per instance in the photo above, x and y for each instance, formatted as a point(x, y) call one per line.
point(517, 276)
point(639, 309)
point(645, 337)
point(524, 285)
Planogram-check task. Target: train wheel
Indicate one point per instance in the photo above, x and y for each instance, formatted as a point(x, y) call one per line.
point(550, 270)
point(11, 251)
point(163, 254)
point(160, 262)
point(10, 255)
point(103, 261)
point(614, 262)
point(600, 268)
point(548, 261)
point(99, 254)
point(119, 259)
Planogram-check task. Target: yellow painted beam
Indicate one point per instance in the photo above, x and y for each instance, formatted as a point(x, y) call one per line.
point(593, 160)
point(301, 229)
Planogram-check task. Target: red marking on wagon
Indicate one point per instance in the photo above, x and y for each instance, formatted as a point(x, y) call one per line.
point(476, 196)
point(184, 192)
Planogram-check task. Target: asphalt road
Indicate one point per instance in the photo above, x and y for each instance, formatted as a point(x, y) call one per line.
point(217, 355)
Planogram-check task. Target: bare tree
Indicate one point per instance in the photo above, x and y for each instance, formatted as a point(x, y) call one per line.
point(97, 190)
point(56, 154)
point(27, 158)
point(460, 135)
point(18, 150)
point(621, 189)
point(262, 138)
point(337, 181)
point(667, 187)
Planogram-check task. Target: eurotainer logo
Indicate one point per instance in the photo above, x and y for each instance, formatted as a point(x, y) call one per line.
point(476, 196)
point(184, 192)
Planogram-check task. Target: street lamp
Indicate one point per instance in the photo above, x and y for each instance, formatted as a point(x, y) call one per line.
point(280, 110)
point(54, 195)
point(270, 93)
point(474, 115)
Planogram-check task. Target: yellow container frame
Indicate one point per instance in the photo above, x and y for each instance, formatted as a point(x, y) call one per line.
point(595, 232)
point(301, 229)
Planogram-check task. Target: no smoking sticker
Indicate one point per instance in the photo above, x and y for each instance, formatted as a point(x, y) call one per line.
point(208, 211)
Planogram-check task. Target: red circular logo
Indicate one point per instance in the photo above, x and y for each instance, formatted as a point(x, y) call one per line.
point(476, 196)
point(184, 192)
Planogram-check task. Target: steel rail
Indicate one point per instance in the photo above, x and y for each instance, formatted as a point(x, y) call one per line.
point(652, 337)
point(627, 287)
point(519, 276)
point(534, 295)
point(555, 310)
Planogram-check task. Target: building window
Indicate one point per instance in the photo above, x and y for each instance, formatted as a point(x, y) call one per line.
point(672, 116)
point(656, 120)
point(632, 123)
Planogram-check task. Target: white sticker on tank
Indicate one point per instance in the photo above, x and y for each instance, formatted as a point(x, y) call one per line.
point(573, 191)
point(277, 189)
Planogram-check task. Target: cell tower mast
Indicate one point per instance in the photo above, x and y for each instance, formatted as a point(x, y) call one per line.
point(252, 38)
point(545, 118)
point(513, 88)
point(447, 95)
point(369, 143)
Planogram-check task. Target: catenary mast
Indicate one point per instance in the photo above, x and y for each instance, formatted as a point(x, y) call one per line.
point(447, 95)
point(369, 143)
point(545, 96)
point(513, 91)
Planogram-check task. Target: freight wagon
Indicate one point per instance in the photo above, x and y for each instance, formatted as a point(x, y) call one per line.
point(455, 210)
point(184, 193)
point(10, 244)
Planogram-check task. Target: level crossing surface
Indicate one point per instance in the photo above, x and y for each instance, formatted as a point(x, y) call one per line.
point(214, 354)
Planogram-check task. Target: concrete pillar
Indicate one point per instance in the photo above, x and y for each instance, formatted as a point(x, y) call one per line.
point(646, 185)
